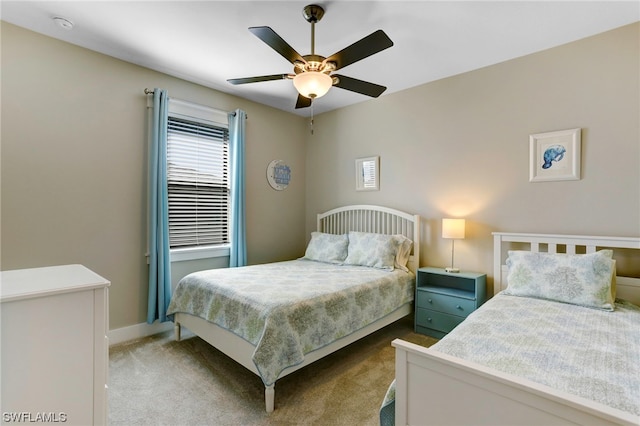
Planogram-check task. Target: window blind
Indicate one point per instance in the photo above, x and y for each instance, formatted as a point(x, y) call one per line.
point(198, 183)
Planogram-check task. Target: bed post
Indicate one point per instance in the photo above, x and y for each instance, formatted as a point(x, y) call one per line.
point(497, 263)
point(416, 245)
point(177, 331)
point(269, 397)
point(402, 395)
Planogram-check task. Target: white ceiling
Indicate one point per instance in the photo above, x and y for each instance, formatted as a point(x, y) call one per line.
point(207, 42)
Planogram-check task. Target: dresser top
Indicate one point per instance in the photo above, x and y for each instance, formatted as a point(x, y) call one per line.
point(37, 282)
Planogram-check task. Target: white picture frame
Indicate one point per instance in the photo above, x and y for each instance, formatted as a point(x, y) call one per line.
point(368, 174)
point(555, 156)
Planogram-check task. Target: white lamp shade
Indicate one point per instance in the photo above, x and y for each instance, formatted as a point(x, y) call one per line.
point(453, 228)
point(312, 84)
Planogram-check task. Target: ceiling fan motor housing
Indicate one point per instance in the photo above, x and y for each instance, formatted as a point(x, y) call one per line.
point(314, 63)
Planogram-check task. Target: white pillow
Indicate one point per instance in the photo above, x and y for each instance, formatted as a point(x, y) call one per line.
point(329, 248)
point(375, 250)
point(404, 252)
point(583, 280)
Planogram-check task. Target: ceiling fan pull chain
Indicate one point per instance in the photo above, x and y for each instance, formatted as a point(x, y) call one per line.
point(311, 123)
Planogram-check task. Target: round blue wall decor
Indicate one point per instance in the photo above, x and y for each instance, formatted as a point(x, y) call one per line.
point(278, 174)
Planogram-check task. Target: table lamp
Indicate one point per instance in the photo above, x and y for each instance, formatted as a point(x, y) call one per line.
point(452, 229)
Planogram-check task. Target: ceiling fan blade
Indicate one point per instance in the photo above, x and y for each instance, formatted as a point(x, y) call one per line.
point(359, 86)
point(371, 44)
point(303, 102)
point(258, 79)
point(277, 43)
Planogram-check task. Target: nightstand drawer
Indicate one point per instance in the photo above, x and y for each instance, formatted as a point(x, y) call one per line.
point(437, 320)
point(447, 304)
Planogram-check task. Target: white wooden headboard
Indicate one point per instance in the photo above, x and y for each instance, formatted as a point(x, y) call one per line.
point(626, 288)
point(381, 220)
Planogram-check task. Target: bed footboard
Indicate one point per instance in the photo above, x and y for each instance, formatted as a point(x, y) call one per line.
point(434, 388)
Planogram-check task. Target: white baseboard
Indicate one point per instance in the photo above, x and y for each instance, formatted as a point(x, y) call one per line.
point(137, 331)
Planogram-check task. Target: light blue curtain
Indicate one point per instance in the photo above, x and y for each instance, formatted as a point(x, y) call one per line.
point(159, 260)
point(238, 236)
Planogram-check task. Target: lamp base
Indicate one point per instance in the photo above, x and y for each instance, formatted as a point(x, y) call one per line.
point(452, 269)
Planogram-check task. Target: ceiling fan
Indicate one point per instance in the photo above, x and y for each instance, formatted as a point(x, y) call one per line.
point(312, 74)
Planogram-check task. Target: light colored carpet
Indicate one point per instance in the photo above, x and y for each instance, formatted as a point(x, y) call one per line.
point(158, 381)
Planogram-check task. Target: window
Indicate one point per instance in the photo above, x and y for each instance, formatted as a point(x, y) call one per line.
point(198, 176)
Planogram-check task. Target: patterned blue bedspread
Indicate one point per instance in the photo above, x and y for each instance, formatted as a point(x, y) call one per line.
point(288, 309)
point(587, 352)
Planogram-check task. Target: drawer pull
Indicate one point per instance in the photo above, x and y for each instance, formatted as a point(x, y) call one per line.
point(459, 307)
point(429, 319)
point(430, 301)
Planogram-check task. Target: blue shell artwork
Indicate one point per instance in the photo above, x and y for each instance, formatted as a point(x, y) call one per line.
point(553, 153)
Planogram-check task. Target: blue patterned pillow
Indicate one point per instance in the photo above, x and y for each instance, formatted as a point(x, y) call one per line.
point(329, 248)
point(579, 279)
point(375, 250)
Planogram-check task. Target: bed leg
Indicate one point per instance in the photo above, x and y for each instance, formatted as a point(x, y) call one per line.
point(177, 331)
point(269, 397)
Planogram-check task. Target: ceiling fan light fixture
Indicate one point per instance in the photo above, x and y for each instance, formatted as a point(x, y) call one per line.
point(312, 84)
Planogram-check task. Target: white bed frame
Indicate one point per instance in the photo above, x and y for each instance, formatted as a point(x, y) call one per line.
point(363, 218)
point(434, 388)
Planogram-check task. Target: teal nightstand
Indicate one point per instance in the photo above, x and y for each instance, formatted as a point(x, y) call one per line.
point(445, 299)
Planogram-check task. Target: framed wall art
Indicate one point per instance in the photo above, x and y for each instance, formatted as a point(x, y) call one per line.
point(367, 174)
point(555, 156)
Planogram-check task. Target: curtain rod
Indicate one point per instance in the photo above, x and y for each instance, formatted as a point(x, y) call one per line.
point(150, 92)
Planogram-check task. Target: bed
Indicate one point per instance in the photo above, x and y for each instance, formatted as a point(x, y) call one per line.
point(277, 318)
point(527, 358)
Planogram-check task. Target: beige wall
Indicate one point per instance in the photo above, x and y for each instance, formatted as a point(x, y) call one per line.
point(74, 163)
point(460, 146)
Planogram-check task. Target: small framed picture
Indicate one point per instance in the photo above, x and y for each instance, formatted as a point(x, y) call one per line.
point(367, 174)
point(554, 156)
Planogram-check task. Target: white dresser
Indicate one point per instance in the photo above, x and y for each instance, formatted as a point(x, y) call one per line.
point(55, 352)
